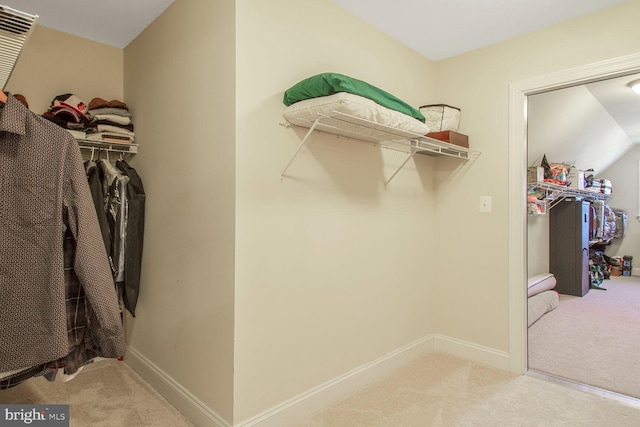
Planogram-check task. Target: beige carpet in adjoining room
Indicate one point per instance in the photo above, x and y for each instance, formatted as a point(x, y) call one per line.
point(439, 390)
point(593, 339)
point(107, 393)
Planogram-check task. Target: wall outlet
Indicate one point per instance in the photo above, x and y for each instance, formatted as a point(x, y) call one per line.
point(485, 204)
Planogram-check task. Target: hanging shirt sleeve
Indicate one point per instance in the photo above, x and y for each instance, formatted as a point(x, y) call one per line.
point(91, 264)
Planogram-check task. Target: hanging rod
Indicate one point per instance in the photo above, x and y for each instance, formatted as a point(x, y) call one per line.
point(120, 147)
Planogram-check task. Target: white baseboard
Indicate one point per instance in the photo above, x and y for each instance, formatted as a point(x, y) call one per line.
point(338, 388)
point(318, 397)
point(635, 271)
point(474, 352)
point(185, 402)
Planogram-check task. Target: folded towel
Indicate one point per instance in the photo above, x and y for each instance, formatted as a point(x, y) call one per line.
point(121, 120)
point(114, 129)
point(110, 137)
point(107, 110)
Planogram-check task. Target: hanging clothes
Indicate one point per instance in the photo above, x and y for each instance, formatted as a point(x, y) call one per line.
point(43, 194)
point(116, 207)
point(94, 177)
point(134, 235)
point(78, 314)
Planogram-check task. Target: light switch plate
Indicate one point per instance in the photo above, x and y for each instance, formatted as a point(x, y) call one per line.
point(485, 204)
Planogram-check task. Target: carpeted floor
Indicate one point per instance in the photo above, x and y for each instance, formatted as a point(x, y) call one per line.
point(439, 390)
point(107, 393)
point(593, 339)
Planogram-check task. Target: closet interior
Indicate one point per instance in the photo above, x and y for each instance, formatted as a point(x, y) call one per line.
point(581, 242)
point(71, 224)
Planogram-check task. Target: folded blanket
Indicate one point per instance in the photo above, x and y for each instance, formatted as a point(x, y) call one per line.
point(114, 129)
point(110, 137)
point(77, 134)
point(107, 110)
point(540, 304)
point(540, 283)
point(326, 84)
point(121, 120)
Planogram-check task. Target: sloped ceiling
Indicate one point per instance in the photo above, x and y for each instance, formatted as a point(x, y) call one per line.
point(440, 29)
point(112, 22)
point(588, 126)
point(436, 29)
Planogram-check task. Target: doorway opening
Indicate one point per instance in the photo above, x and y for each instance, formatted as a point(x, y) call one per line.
point(518, 252)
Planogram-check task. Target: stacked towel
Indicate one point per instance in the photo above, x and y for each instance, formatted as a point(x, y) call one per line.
point(111, 121)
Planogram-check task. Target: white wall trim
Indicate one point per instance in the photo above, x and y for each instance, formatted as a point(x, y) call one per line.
point(470, 351)
point(518, 92)
point(185, 402)
point(340, 387)
point(344, 385)
point(318, 397)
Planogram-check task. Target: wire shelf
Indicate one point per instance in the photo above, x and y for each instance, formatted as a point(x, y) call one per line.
point(388, 137)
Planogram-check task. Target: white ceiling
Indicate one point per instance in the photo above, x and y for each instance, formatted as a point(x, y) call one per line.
point(620, 102)
point(439, 29)
point(113, 22)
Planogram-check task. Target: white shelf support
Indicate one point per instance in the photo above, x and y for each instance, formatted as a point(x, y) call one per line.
point(400, 167)
point(384, 136)
point(302, 144)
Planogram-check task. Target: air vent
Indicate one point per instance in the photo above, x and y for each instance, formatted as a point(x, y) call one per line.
point(15, 29)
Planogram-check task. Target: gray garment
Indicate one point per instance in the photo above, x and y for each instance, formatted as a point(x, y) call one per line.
point(41, 177)
point(116, 207)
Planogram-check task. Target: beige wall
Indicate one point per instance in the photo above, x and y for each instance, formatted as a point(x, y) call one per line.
point(54, 63)
point(475, 307)
point(180, 84)
point(333, 268)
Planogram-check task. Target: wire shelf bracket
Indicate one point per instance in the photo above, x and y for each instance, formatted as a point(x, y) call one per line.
point(352, 127)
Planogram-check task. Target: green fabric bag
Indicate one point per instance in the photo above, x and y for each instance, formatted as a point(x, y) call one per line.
point(329, 83)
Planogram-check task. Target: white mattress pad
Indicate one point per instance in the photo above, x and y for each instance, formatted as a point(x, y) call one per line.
point(304, 113)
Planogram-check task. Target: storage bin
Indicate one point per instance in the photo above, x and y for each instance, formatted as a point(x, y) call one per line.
point(451, 137)
point(441, 117)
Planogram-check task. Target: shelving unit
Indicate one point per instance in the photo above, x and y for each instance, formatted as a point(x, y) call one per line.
point(123, 148)
point(554, 193)
point(391, 138)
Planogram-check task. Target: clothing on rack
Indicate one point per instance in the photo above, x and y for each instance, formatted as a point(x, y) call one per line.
point(78, 315)
point(114, 185)
point(94, 176)
point(134, 235)
point(44, 195)
point(119, 197)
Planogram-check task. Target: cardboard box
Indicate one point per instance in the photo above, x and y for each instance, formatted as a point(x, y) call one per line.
point(616, 271)
point(451, 137)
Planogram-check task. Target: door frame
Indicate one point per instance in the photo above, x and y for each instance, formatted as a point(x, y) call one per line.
point(517, 145)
